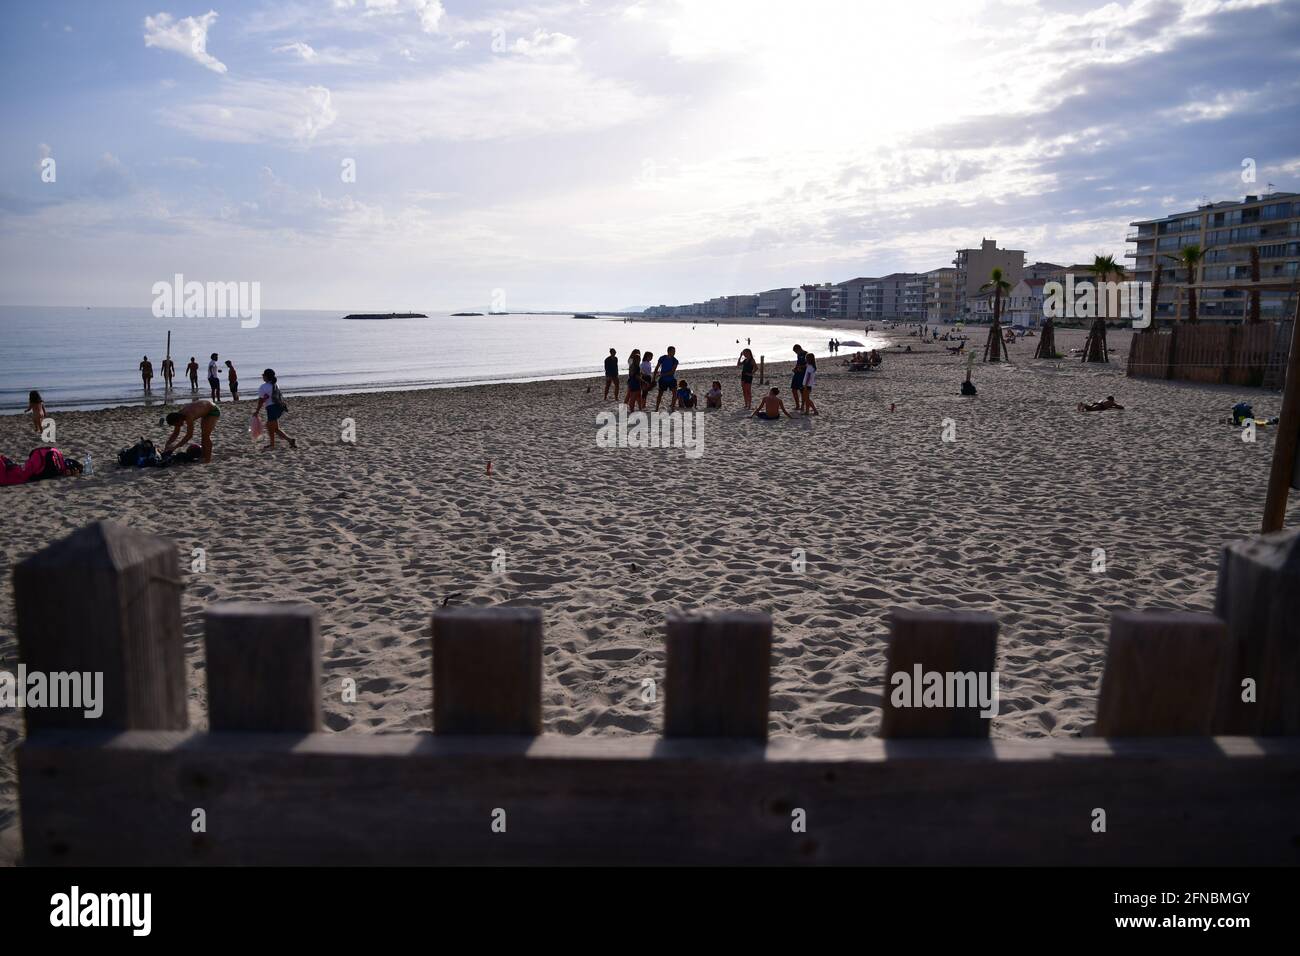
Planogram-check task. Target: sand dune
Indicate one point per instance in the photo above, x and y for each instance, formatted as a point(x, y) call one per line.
point(607, 541)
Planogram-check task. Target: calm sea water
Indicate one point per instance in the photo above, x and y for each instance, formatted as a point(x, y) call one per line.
point(88, 358)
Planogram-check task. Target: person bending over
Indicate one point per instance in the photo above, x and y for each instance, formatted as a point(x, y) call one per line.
point(201, 411)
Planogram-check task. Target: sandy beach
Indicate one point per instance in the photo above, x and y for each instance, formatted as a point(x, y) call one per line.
point(606, 541)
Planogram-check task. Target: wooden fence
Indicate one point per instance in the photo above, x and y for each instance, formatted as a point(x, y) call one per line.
point(1219, 354)
point(264, 785)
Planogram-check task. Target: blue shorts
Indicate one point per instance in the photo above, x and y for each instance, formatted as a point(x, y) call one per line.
point(667, 384)
point(796, 381)
point(274, 411)
point(634, 383)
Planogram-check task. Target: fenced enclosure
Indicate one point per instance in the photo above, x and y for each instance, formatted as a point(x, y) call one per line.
point(1251, 355)
point(488, 787)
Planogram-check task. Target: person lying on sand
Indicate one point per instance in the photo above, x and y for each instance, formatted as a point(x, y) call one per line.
point(770, 406)
point(202, 410)
point(1101, 406)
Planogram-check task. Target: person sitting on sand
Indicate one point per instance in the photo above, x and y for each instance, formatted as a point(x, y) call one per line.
point(1101, 406)
point(771, 407)
point(683, 397)
point(713, 397)
point(268, 394)
point(36, 405)
point(203, 410)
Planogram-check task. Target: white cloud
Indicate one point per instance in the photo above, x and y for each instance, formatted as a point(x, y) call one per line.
point(545, 44)
point(429, 12)
point(259, 112)
point(303, 50)
point(188, 37)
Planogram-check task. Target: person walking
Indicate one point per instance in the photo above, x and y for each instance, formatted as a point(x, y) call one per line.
point(809, 378)
point(169, 372)
point(146, 374)
point(268, 394)
point(192, 370)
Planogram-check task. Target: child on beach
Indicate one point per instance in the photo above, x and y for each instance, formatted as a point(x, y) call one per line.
point(647, 377)
point(633, 380)
point(809, 377)
point(713, 397)
point(771, 407)
point(682, 398)
point(36, 405)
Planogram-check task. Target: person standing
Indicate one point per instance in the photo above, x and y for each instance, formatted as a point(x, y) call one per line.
point(796, 378)
point(633, 380)
point(746, 364)
point(667, 371)
point(809, 378)
point(268, 394)
point(611, 374)
point(169, 372)
point(647, 378)
point(233, 380)
point(146, 374)
point(36, 405)
point(214, 378)
point(192, 370)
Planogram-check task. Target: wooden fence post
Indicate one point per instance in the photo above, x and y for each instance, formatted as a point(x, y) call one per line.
point(718, 675)
point(264, 667)
point(958, 645)
point(104, 602)
point(487, 670)
point(1163, 675)
point(1259, 598)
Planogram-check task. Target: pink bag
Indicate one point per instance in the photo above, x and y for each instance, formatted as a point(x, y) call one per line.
point(255, 426)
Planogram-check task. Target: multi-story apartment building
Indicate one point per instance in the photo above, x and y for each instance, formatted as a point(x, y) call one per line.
point(897, 297)
point(776, 302)
point(1046, 270)
point(1229, 233)
point(821, 301)
point(851, 297)
point(975, 265)
point(943, 301)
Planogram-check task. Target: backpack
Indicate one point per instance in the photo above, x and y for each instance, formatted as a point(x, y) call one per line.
point(278, 397)
point(140, 455)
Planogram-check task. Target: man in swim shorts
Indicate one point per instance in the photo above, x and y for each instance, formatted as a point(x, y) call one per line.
point(202, 411)
point(770, 406)
point(611, 374)
point(666, 369)
point(796, 379)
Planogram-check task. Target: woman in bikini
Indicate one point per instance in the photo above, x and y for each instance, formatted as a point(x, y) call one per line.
point(746, 364)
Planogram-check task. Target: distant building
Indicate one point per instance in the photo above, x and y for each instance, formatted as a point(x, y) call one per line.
point(893, 298)
point(1227, 232)
point(1023, 305)
point(776, 302)
point(943, 299)
point(974, 266)
point(821, 301)
point(851, 297)
point(1045, 270)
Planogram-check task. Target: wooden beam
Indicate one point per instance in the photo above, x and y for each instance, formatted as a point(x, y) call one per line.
point(718, 674)
point(264, 667)
point(340, 799)
point(1258, 597)
point(1164, 675)
point(487, 670)
point(105, 601)
point(946, 642)
point(1286, 445)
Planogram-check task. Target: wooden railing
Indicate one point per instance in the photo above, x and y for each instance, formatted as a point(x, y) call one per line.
point(1248, 355)
point(263, 785)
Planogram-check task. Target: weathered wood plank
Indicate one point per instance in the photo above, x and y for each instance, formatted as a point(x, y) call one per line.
point(420, 799)
point(943, 642)
point(487, 670)
point(263, 667)
point(717, 675)
point(1258, 597)
point(105, 601)
point(1163, 676)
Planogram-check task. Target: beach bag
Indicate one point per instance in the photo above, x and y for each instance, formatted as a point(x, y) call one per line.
point(140, 455)
point(277, 397)
point(255, 426)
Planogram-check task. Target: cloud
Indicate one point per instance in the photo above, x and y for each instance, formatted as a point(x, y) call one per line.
point(303, 50)
point(188, 37)
point(545, 44)
point(429, 12)
point(259, 112)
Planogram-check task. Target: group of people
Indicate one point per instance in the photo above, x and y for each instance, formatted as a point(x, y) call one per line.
point(645, 374)
point(192, 370)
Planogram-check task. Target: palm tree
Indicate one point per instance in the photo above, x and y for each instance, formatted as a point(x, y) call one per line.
point(1190, 258)
point(1102, 268)
point(999, 286)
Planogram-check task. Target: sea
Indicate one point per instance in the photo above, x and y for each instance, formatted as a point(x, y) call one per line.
point(81, 358)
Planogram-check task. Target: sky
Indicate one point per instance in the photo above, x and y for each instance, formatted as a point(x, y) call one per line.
point(417, 154)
